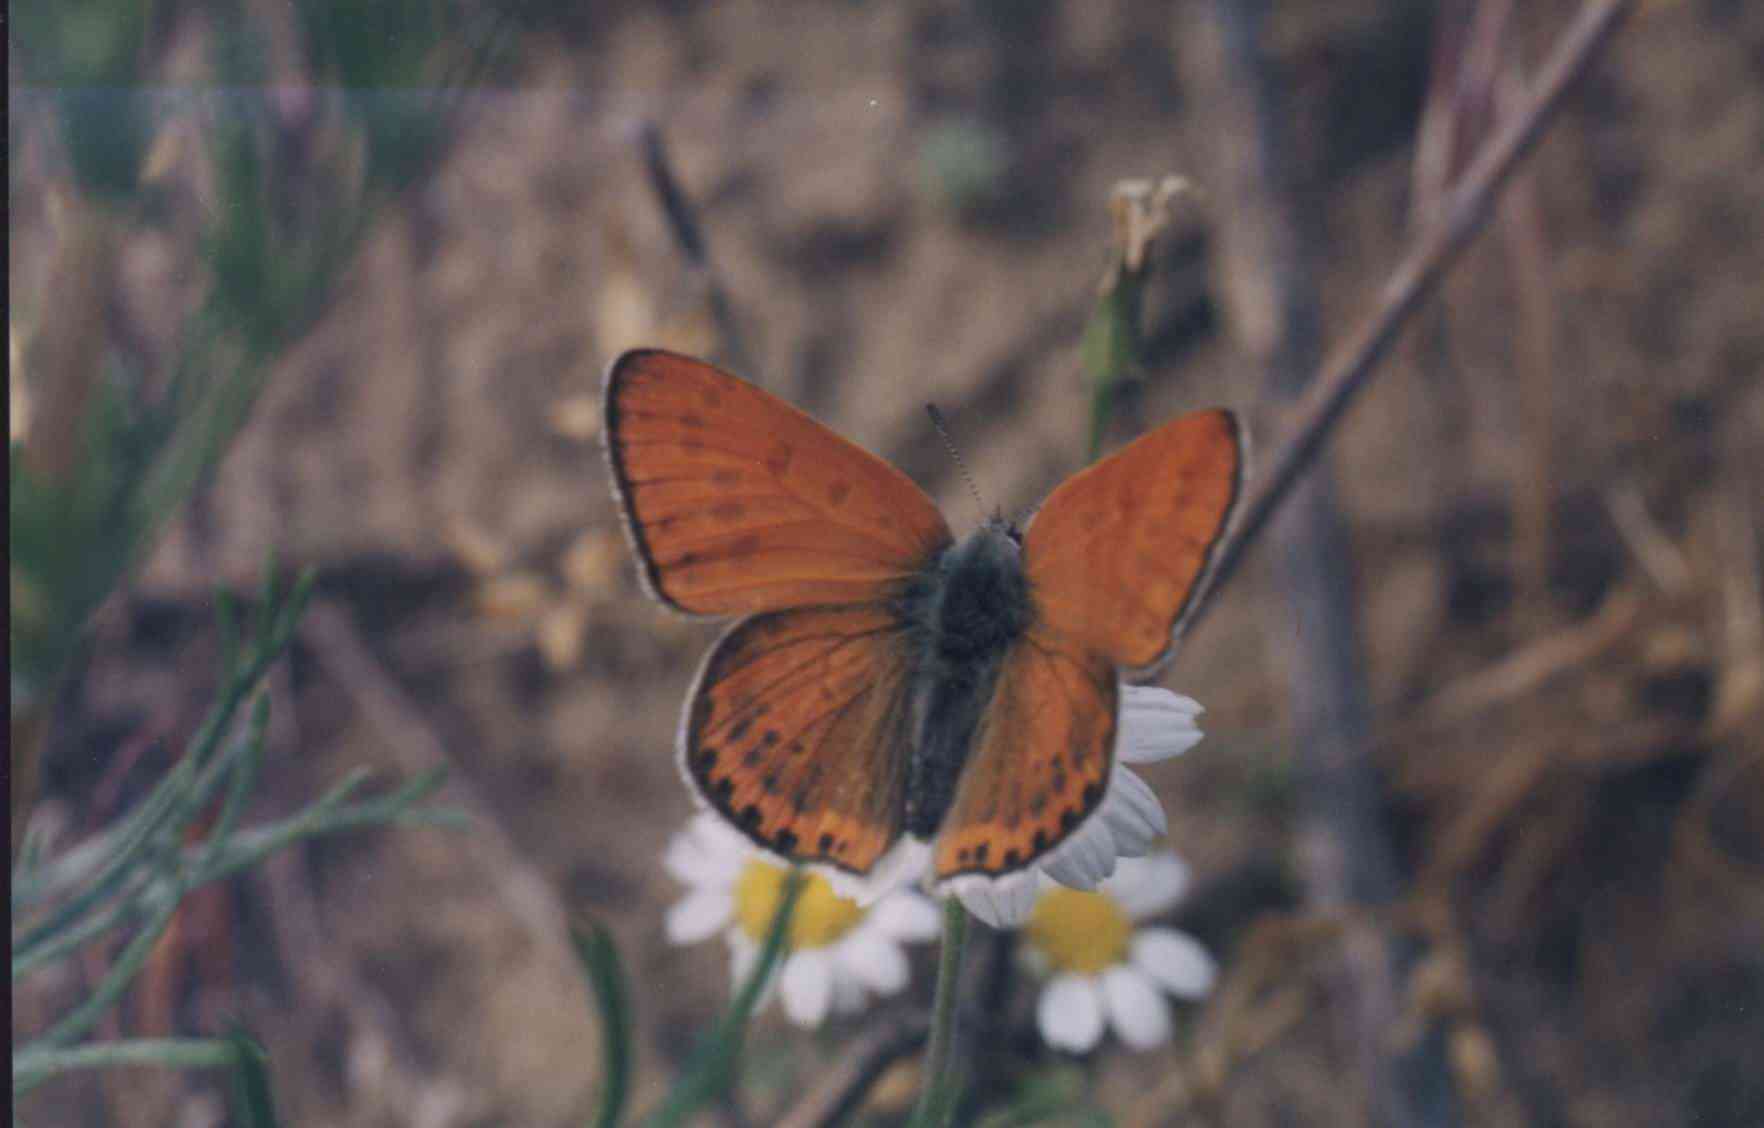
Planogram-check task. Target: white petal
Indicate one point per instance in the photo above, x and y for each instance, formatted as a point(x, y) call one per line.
point(690, 861)
point(873, 960)
point(906, 916)
point(1136, 1009)
point(1086, 858)
point(714, 834)
point(743, 954)
point(848, 995)
point(700, 915)
point(1146, 887)
point(1069, 1014)
point(1176, 960)
point(1133, 813)
point(683, 861)
point(1155, 724)
point(808, 986)
point(905, 864)
point(848, 885)
point(1002, 902)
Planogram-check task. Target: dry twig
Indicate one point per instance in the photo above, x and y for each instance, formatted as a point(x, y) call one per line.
point(1415, 277)
point(1658, 556)
point(842, 1088)
point(690, 237)
point(1356, 859)
point(1272, 299)
point(333, 638)
point(1526, 671)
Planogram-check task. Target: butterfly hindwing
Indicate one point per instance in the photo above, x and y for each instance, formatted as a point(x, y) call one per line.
point(798, 730)
point(737, 502)
point(1040, 762)
point(1115, 554)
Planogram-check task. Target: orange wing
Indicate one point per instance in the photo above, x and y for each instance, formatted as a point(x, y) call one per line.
point(798, 732)
point(1116, 552)
point(737, 502)
point(1040, 763)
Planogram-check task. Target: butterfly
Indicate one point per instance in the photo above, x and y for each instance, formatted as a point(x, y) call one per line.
point(892, 696)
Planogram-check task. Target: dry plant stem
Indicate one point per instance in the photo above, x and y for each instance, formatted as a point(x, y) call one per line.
point(1337, 707)
point(843, 1088)
point(1528, 670)
point(1272, 301)
point(418, 748)
point(1416, 277)
point(1443, 402)
point(690, 237)
point(1524, 237)
point(1659, 557)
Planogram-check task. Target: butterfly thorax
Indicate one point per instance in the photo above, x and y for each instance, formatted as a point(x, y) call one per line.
point(967, 609)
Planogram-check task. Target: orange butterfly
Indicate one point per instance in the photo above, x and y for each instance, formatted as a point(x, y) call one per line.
point(892, 692)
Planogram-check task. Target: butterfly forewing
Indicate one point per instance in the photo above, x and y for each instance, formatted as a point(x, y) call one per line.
point(797, 732)
point(737, 502)
point(1040, 762)
point(1115, 554)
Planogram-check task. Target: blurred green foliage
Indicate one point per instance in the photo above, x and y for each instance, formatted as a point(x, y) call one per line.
point(964, 164)
point(298, 172)
point(86, 52)
point(298, 165)
point(129, 879)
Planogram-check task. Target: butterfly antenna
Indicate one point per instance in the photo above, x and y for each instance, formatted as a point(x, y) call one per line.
point(954, 454)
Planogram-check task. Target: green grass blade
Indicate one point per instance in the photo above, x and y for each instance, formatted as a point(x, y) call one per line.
point(253, 1097)
point(606, 975)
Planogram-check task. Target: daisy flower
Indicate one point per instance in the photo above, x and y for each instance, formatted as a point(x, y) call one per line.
point(1154, 724)
point(1101, 969)
point(839, 951)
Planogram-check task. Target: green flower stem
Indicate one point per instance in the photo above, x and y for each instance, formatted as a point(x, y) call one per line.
point(937, 1099)
point(713, 1067)
point(36, 1066)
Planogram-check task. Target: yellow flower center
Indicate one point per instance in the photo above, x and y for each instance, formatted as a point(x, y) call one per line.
point(821, 917)
point(1077, 931)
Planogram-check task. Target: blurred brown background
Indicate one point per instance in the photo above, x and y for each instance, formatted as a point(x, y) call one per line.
point(1550, 492)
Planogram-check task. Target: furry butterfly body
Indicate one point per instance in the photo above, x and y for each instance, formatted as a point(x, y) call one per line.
point(967, 609)
point(889, 684)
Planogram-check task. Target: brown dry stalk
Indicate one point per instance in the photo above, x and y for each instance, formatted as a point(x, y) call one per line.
point(1415, 278)
point(1527, 670)
point(689, 235)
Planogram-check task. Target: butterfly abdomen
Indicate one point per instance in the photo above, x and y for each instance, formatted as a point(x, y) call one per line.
point(967, 610)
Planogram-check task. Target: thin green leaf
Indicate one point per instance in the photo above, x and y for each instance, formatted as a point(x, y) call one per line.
point(245, 767)
point(1110, 351)
point(122, 972)
point(247, 847)
point(226, 625)
point(599, 956)
point(264, 615)
point(31, 1068)
point(295, 605)
point(253, 1096)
